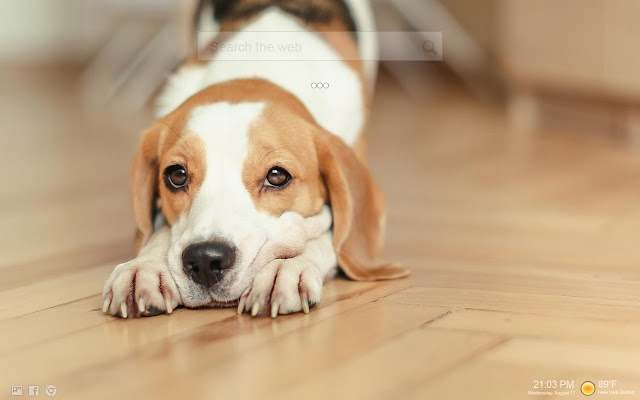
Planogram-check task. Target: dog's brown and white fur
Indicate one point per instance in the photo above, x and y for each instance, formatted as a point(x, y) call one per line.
point(228, 123)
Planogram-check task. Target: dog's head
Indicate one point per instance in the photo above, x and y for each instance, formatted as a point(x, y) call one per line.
point(226, 165)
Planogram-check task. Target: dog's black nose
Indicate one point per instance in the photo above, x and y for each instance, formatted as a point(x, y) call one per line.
point(207, 262)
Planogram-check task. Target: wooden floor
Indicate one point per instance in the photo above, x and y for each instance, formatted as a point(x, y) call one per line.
point(524, 251)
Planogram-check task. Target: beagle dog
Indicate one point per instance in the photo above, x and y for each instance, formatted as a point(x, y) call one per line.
point(251, 187)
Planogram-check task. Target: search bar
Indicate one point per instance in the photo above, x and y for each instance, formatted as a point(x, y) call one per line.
point(306, 46)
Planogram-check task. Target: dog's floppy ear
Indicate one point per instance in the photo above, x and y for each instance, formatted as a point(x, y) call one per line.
point(144, 183)
point(358, 211)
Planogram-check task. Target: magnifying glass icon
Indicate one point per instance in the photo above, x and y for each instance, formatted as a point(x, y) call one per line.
point(429, 47)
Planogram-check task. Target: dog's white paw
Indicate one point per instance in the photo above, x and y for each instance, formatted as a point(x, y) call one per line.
point(139, 289)
point(283, 286)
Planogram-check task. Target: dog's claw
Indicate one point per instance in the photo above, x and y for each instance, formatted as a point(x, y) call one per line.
point(274, 310)
point(305, 302)
point(141, 306)
point(243, 301)
point(167, 303)
point(123, 310)
point(255, 309)
point(105, 305)
point(241, 305)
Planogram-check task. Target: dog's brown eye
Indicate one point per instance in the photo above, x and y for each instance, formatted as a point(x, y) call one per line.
point(277, 177)
point(175, 177)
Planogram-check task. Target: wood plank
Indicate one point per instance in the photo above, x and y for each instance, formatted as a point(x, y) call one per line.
point(588, 357)
point(230, 353)
point(405, 361)
point(485, 379)
point(37, 355)
point(543, 304)
point(530, 279)
point(588, 330)
point(53, 292)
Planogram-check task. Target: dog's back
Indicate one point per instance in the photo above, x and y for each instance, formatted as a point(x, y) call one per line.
point(351, 15)
point(329, 30)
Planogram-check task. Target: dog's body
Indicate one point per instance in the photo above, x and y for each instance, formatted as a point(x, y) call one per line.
point(242, 162)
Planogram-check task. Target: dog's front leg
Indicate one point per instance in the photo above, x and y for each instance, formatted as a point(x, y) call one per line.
point(143, 286)
point(289, 285)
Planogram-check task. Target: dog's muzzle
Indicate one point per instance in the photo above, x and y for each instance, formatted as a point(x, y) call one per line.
point(207, 262)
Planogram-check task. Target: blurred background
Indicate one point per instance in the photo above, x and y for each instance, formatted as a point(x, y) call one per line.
point(511, 172)
point(78, 77)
